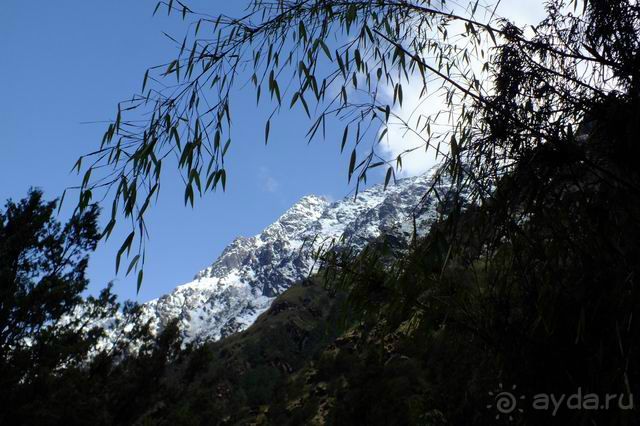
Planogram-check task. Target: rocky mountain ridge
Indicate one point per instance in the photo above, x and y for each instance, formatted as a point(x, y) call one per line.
point(229, 295)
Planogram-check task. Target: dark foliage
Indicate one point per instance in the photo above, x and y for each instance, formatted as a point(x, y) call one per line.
point(52, 368)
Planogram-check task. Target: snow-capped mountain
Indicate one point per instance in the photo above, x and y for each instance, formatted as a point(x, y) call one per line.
point(229, 295)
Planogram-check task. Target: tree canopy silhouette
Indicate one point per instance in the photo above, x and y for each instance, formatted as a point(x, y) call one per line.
point(503, 91)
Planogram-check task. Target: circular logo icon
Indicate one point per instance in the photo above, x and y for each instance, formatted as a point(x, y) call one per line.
point(505, 402)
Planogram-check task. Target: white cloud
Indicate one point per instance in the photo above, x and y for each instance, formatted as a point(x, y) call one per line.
point(268, 182)
point(416, 103)
point(271, 184)
point(522, 12)
point(400, 138)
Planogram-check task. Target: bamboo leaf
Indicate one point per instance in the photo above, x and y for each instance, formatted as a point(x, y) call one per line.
point(344, 138)
point(267, 128)
point(352, 163)
point(144, 80)
point(226, 147)
point(139, 283)
point(126, 245)
point(294, 99)
point(223, 179)
point(382, 134)
point(325, 49)
point(387, 178)
point(133, 263)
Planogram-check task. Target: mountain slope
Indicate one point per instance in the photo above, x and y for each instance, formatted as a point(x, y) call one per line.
point(241, 284)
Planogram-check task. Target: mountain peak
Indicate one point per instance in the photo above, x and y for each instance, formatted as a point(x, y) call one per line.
point(250, 272)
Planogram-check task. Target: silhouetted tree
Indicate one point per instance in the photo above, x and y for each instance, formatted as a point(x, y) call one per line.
point(57, 363)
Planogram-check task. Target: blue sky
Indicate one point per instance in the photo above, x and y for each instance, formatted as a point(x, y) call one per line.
point(67, 63)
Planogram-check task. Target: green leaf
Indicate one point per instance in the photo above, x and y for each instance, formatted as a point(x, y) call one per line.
point(226, 147)
point(216, 141)
point(341, 65)
point(454, 147)
point(306, 107)
point(61, 200)
point(133, 263)
point(86, 178)
point(223, 179)
point(325, 49)
point(188, 195)
point(276, 90)
point(294, 99)
point(382, 134)
point(216, 178)
point(344, 138)
point(126, 245)
point(352, 163)
point(210, 179)
point(267, 128)
point(493, 37)
point(144, 80)
point(302, 31)
point(108, 229)
point(387, 178)
point(174, 133)
point(196, 178)
point(78, 165)
point(139, 283)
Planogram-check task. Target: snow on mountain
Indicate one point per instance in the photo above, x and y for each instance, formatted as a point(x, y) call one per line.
point(230, 294)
